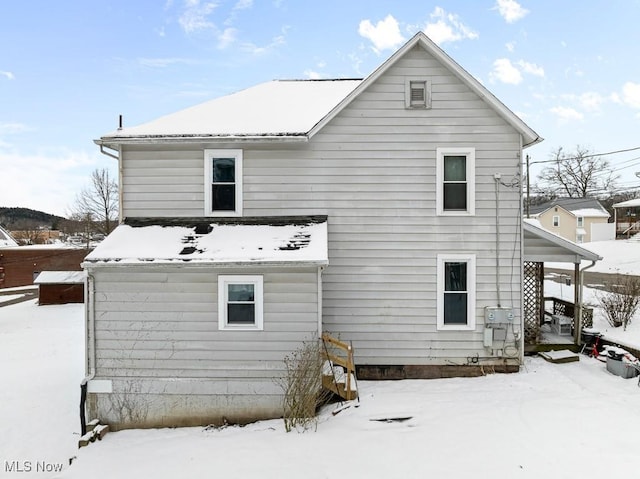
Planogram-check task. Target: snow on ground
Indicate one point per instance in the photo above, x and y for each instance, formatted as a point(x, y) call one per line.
point(619, 256)
point(550, 420)
point(41, 358)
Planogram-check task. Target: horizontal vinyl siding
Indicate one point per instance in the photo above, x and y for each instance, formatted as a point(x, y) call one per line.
point(163, 323)
point(372, 170)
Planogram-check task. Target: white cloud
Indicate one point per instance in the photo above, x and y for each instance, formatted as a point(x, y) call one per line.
point(13, 128)
point(312, 74)
point(566, 114)
point(631, 94)
point(505, 72)
point(68, 171)
point(511, 46)
point(227, 37)
point(254, 49)
point(243, 4)
point(447, 27)
point(385, 35)
point(7, 75)
point(591, 101)
point(195, 16)
point(511, 10)
point(531, 68)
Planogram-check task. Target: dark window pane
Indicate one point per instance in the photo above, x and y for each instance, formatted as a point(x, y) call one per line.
point(241, 292)
point(241, 313)
point(224, 170)
point(224, 197)
point(455, 196)
point(455, 168)
point(455, 308)
point(455, 276)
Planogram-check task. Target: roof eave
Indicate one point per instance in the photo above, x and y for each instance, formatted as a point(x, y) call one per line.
point(579, 251)
point(108, 141)
point(115, 263)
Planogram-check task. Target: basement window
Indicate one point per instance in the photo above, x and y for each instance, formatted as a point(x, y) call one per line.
point(417, 93)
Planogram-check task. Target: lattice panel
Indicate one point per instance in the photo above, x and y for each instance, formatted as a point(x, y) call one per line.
point(532, 292)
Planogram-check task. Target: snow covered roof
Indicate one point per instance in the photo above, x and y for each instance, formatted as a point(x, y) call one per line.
point(60, 277)
point(586, 207)
point(278, 108)
point(628, 204)
point(541, 245)
point(6, 240)
point(258, 240)
point(291, 109)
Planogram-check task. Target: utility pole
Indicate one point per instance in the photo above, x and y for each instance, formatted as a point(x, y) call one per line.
point(528, 185)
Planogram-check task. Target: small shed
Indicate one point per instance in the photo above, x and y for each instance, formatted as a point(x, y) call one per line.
point(60, 287)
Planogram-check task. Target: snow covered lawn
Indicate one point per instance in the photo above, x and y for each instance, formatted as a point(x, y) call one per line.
point(550, 420)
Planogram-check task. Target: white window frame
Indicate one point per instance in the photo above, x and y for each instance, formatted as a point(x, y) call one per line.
point(556, 221)
point(470, 153)
point(470, 259)
point(580, 221)
point(209, 155)
point(407, 93)
point(223, 298)
point(580, 238)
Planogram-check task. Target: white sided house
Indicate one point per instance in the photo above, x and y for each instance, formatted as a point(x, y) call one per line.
point(385, 211)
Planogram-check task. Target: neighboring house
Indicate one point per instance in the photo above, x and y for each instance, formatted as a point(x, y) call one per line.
point(380, 210)
point(580, 220)
point(6, 239)
point(627, 218)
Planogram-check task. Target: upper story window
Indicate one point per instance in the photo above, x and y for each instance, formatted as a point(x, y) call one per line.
point(240, 302)
point(223, 182)
point(580, 221)
point(455, 181)
point(456, 291)
point(417, 93)
point(556, 220)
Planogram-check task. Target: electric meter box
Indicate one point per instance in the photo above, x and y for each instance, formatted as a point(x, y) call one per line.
point(496, 315)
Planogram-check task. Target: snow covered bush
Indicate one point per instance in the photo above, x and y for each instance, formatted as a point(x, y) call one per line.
point(620, 301)
point(302, 386)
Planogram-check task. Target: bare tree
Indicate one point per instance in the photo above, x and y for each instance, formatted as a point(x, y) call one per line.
point(577, 175)
point(98, 203)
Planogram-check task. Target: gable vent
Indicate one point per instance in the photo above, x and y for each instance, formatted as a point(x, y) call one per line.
point(417, 93)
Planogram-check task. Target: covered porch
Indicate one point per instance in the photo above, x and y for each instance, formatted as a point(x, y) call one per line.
point(549, 322)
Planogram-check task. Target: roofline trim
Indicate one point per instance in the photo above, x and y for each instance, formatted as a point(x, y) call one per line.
point(560, 241)
point(530, 136)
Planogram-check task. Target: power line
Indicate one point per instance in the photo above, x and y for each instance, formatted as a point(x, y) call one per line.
point(585, 156)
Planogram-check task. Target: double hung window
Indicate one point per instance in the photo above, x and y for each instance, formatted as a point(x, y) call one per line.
point(240, 302)
point(455, 181)
point(456, 291)
point(223, 182)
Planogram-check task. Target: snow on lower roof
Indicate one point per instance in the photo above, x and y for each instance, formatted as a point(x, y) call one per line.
point(60, 277)
point(591, 213)
point(275, 108)
point(628, 204)
point(268, 240)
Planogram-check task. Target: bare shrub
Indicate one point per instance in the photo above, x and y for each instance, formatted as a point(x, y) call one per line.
point(620, 302)
point(302, 386)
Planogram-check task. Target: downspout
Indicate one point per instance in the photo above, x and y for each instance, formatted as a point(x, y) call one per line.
point(319, 281)
point(117, 157)
point(90, 347)
point(579, 325)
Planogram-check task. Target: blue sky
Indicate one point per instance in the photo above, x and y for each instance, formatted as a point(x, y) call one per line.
point(69, 68)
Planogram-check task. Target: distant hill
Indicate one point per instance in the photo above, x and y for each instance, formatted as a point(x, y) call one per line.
point(25, 218)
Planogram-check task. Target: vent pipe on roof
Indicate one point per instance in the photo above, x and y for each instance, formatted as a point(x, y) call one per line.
point(119, 122)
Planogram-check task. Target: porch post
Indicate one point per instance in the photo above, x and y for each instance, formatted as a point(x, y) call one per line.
point(577, 308)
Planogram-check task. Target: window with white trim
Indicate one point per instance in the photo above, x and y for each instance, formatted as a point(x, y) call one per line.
point(455, 181)
point(556, 220)
point(456, 285)
point(417, 93)
point(580, 221)
point(580, 238)
point(223, 182)
point(240, 302)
